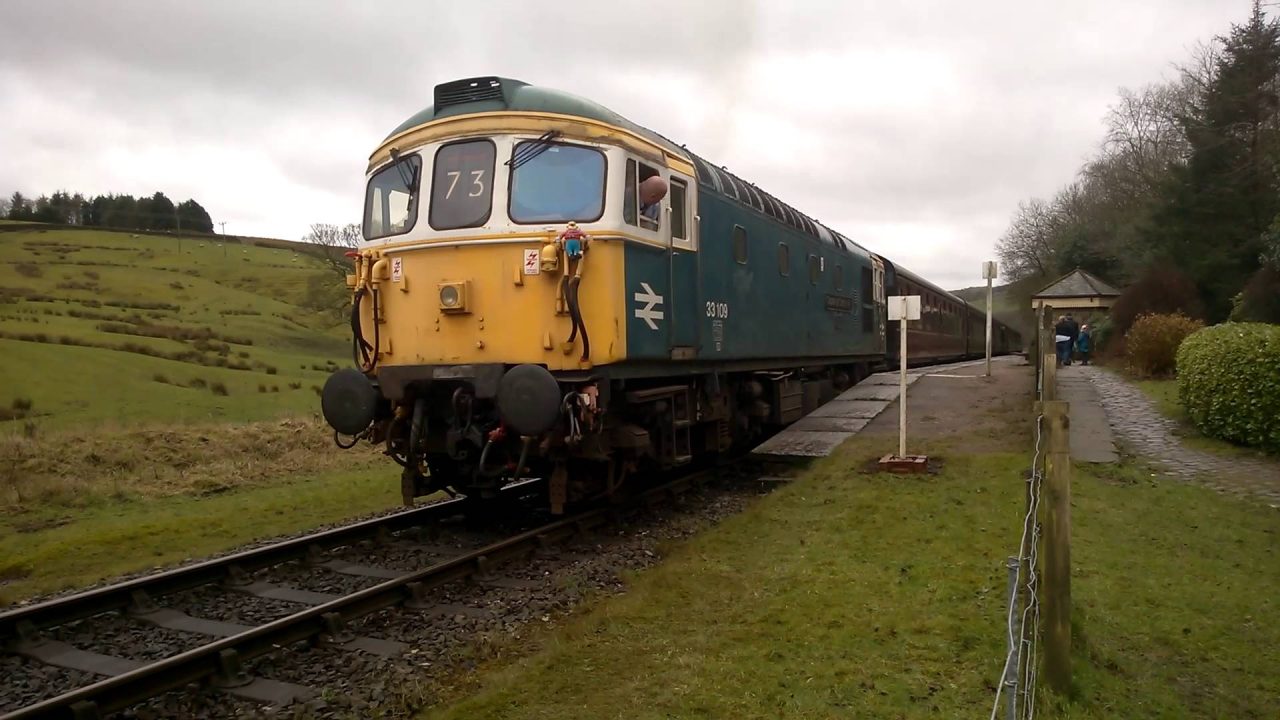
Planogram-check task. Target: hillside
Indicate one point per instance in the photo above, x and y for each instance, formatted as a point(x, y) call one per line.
point(102, 326)
point(1011, 303)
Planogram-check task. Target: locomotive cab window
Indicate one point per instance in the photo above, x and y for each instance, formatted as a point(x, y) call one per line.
point(739, 240)
point(635, 209)
point(391, 201)
point(462, 185)
point(556, 182)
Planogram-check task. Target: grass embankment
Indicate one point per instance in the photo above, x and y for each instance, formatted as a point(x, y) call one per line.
point(1164, 394)
point(159, 402)
point(852, 594)
point(79, 507)
point(105, 325)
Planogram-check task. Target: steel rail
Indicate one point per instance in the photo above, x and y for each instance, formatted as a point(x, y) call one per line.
point(226, 656)
point(20, 621)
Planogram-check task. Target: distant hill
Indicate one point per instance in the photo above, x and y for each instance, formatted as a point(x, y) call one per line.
point(1011, 303)
point(105, 326)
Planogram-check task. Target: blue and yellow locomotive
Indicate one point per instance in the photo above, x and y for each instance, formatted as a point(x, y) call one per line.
point(547, 289)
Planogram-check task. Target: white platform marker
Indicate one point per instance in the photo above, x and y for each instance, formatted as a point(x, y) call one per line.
point(903, 308)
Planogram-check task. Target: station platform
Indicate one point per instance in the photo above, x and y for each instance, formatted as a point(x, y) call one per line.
point(821, 431)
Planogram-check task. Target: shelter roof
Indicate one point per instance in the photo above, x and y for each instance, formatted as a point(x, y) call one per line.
point(1077, 283)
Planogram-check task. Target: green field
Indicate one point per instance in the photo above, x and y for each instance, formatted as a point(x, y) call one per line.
point(116, 327)
point(160, 401)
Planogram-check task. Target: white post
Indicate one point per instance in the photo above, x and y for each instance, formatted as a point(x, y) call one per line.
point(903, 308)
point(902, 380)
point(989, 272)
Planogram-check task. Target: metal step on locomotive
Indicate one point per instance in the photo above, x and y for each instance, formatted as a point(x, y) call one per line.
point(546, 289)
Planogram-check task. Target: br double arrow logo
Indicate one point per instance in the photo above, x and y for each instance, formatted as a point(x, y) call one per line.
point(651, 300)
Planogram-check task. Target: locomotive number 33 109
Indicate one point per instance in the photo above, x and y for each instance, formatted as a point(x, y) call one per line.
point(717, 309)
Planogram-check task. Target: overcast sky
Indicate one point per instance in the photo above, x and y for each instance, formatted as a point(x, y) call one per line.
point(914, 128)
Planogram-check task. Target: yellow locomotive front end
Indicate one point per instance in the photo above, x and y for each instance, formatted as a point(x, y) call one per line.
point(488, 288)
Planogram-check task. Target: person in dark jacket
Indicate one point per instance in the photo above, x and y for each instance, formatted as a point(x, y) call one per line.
point(1075, 335)
point(1062, 340)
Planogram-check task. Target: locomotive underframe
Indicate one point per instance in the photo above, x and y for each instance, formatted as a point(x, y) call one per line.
point(616, 424)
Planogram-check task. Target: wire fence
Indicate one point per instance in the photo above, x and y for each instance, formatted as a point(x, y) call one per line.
point(1018, 679)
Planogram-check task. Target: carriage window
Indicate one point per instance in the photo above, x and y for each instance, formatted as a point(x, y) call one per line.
point(740, 244)
point(390, 204)
point(462, 185)
point(784, 259)
point(559, 184)
point(677, 210)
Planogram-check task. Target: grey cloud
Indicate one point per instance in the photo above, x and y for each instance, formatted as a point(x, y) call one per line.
point(303, 91)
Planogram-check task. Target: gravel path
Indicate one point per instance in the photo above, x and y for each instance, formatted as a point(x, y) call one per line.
point(1153, 436)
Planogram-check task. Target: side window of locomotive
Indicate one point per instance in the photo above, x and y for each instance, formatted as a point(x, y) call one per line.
point(556, 183)
point(815, 269)
point(739, 240)
point(784, 259)
point(678, 194)
point(462, 185)
point(390, 204)
point(839, 279)
point(634, 209)
point(629, 197)
point(867, 301)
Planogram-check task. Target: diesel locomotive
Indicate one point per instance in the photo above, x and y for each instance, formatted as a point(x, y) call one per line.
point(528, 301)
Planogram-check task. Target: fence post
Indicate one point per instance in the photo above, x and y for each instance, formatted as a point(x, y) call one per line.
point(1048, 355)
point(1056, 590)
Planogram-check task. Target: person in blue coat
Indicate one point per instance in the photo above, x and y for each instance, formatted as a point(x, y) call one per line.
point(1084, 344)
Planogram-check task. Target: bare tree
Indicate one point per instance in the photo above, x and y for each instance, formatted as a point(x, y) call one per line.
point(1027, 247)
point(4, 207)
point(1145, 137)
point(334, 241)
point(327, 292)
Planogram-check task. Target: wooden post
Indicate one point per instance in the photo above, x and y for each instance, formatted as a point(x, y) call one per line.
point(1048, 355)
point(1050, 390)
point(1055, 594)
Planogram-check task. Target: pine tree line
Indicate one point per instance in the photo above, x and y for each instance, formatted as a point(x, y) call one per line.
point(126, 212)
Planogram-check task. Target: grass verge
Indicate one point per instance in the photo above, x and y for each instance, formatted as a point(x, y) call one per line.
point(850, 594)
point(52, 549)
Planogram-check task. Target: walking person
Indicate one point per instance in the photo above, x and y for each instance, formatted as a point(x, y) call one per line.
point(1062, 340)
point(1084, 344)
point(1073, 329)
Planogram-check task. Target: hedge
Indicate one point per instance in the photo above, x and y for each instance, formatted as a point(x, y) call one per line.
point(1229, 382)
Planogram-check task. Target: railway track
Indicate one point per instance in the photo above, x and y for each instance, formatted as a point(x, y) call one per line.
point(221, 662)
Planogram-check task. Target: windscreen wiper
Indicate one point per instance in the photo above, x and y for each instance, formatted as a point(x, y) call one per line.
point(534, 149)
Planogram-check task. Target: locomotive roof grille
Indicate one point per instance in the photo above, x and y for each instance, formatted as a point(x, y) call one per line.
point(468, 90)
